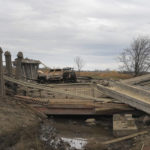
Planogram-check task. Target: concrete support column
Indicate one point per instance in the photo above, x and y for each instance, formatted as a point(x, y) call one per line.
point(8, 63)
point(18, 65)
point(2, 93)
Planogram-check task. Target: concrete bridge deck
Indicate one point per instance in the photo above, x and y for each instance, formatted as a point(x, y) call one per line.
point(138, 80)
point(74, 106)
point(133, 96)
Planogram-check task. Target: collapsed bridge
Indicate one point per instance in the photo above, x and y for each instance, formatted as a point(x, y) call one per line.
point(77, 98)
point(69, 99)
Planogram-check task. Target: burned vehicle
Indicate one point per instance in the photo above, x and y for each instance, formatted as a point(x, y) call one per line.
point(57, 75)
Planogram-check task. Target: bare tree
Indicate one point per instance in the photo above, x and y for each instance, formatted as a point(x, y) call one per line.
point(136, 59)
point(79, 63)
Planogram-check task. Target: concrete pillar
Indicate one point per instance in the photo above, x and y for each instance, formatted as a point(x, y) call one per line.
point(8, 63)
point(18, 65)
point(2, 93)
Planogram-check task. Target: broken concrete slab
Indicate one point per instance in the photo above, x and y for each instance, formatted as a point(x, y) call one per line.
point(133, 96)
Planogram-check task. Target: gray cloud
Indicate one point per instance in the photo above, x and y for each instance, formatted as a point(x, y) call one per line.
point(57, 31)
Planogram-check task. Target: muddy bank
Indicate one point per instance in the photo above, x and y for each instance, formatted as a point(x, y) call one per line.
point(23, 128)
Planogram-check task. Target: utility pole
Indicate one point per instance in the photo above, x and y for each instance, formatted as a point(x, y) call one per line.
point(2, 93)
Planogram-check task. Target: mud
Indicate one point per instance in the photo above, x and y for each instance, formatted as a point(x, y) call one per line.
point(78, 133)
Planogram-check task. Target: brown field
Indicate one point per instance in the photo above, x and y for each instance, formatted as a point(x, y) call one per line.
point(101, 75)
point(106, 75)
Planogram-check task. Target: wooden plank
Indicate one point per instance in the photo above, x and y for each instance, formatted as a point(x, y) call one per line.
point(124, 138)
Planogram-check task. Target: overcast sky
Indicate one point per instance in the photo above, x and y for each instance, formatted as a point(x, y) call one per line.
point(56, 31)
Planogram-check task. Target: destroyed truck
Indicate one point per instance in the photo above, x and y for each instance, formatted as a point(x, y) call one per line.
point(57, 75)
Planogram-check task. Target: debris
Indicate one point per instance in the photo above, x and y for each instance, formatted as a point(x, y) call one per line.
point(105, 83)
point(49, 136)
point(91, 121)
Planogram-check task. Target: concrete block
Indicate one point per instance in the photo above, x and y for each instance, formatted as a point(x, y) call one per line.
point(123, 125)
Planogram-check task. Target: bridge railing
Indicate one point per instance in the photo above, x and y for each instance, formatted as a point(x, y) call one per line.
point(84, 94)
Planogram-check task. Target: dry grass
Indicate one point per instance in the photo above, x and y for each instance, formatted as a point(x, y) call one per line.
point(106, 75)
point(101, 75)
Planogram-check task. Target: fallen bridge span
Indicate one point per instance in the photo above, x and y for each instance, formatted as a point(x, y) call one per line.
point(74, 106)
point(131, 95)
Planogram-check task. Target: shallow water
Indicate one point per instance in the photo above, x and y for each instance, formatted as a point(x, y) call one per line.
point(77, 143)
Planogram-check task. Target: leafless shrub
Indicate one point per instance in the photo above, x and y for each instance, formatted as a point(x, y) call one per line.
point(79, 63)
point(136, 59)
